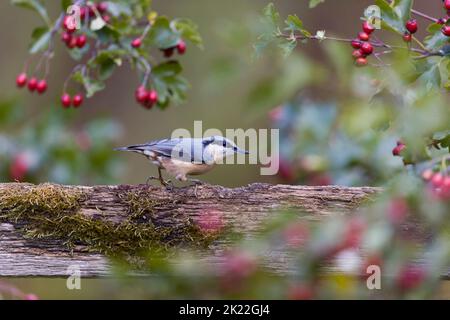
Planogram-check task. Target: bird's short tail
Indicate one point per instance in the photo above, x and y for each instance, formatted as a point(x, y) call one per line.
point(130, 148)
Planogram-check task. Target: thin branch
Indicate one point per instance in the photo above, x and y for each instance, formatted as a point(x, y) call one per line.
point(425, 16)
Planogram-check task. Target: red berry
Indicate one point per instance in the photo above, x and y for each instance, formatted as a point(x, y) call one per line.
point(361, 62)
point(447, 4)
point(153, 96)
point(102, 6)
point(446, 30)
point(168, 52)
point(82, 13)
point(410, 277)
point(412, 26)
point(81, 41)
point(21, 80)
point(446, 183)
point(398, 210)
point(367, 27)
point(18, 168)
point(181, 47)
point(66, 100)
point(77, 100)
point(437, 180)
point(141, 95)
point(442, 21)
point(106, 18)
point(41, 86)
point(66, 37)
point(356, 44)
point(32, 84)
point(363, 36)
point(398, 149)
point(358, 54)
point(91, 11)
point(136, 43)
point(407, 37)
point(366, 48)
point(239, 265)
point(427, 174)
point(300, 292)
point(69, 24)
point(72, 43)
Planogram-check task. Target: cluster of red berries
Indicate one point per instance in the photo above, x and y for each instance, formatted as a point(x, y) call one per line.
point(411, 27)
point(67, 100)
point(396, 152)
point(69, 26)
point(71, 40)
point(363, 48)
point(146, 98)
point(439, 183)
point(168, 52)
point(33, 84)
point(445, 29)
point(180, 47)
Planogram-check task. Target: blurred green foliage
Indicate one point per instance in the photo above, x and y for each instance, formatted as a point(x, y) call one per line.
point(50, 147)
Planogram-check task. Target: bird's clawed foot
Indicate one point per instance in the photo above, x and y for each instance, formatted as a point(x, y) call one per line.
point(166, 183)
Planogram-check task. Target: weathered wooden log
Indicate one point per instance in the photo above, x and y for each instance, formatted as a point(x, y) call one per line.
point(46, 228)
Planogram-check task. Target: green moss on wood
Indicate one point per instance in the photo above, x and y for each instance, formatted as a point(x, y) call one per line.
point(52, 211)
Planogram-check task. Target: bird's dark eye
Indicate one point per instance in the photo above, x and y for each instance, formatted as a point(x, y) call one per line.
point(224, 143)
point(235, 148)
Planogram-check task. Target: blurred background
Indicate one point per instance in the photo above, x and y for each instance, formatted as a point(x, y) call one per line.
point(223, 76)
point(305, 95)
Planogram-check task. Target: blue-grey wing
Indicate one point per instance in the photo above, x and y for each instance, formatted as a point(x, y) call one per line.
point(163, 147)
point(189, 150)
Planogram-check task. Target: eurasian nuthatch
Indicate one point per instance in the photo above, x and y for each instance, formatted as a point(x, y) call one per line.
point(181, 157)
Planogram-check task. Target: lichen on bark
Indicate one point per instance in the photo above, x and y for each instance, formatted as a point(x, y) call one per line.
point(53, 211)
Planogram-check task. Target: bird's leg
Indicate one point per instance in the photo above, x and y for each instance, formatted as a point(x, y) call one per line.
point(150, 178)
point(165, 183)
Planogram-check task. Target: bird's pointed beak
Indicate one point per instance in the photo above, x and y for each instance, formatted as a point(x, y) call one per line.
point(238, 150)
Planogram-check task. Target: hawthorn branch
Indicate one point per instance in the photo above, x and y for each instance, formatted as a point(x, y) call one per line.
point(378, 43)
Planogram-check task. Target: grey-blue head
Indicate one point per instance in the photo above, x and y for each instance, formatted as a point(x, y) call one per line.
point(216, 148)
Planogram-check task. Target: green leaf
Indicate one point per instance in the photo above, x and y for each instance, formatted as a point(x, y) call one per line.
point(295, 24)
point(389, 18)
point(77, 54)
point(429, 73)
point(41, 39)
point(287, 47)
point(315, 3)
point(189, 31)
point(169, 84)
point(91, 86)
point(161, 34)
point(270, 26)
point(117, 9)
point(271, 15)
point(106, 61)
point(403, 9)
point(65, 4)
point(436, 39)
point(34, 5)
